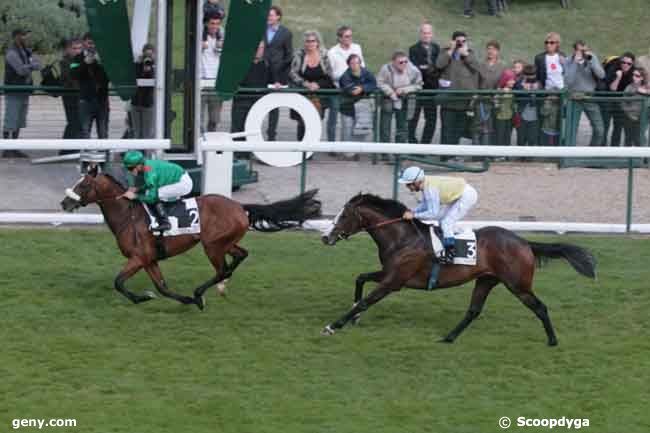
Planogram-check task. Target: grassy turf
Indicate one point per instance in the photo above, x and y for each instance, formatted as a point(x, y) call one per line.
point(382, 26)
point(254, 361)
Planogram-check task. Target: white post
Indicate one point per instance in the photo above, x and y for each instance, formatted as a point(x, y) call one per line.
point(140, 25)
point(161, 71)
point(217, 167)
point(197, 80)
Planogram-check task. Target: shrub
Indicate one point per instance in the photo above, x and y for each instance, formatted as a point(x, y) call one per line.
point(49, 21)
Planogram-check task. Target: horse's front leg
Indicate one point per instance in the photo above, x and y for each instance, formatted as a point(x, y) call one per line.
point(358, 292)
point(156, 276)
point(130, 269)
point(391, 281)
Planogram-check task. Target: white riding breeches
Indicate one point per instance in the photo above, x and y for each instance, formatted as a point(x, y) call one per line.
point(452, 213)
point(175, 191)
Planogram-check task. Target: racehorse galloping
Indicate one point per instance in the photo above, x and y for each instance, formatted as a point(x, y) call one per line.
point(406, 257)
point(223, 223)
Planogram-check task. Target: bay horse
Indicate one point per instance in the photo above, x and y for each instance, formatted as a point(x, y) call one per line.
point(223, 223)
point(406, 257)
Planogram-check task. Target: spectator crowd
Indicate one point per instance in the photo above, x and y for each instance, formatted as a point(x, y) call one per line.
point(481, 99)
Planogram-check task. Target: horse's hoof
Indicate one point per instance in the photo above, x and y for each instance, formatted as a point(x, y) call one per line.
point(327, 331)
point(446, 340)
point(149, 294)
point(221, 288)
point(552, 343)
point(200, 302)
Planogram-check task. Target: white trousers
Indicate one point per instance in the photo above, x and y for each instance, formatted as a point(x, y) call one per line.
point(453, 212)
point(175, 191)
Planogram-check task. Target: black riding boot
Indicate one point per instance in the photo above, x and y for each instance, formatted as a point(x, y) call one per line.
point(161, 217)
point(450, 254)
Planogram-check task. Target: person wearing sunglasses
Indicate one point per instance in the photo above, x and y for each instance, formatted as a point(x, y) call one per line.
point(551, 66)
point(583, 71)
point(633, 107)
point(459, 70)
point(618, 76)
point(311, 69)
point(397, 80)
point(550, 63)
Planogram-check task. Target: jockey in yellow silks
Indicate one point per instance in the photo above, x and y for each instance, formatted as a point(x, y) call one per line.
point(444, 198)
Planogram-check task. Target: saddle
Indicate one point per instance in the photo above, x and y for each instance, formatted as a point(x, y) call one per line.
point(466, 251)
point(183, 216)
point(465, 247)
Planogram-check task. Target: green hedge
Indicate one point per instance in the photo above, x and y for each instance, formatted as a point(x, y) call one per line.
point(50, 21)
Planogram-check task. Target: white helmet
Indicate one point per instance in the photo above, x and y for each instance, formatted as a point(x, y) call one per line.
point(411, 174)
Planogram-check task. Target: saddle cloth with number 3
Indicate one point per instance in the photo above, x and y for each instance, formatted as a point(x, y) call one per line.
point(183, 217)
point(466, 247)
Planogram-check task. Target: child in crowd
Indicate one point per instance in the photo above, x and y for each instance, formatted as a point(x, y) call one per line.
point(633, 109)
point(526, 120)
point(504, 108)
point(518, 67)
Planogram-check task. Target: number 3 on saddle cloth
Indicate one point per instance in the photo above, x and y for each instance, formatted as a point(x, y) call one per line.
point(183, 217)
point(465, 248)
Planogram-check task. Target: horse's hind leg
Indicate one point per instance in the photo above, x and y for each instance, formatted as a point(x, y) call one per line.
point(129, 270)
point(480, 293)
point(358, 291)
point(217, 257)
point(529, 299)
point(238, 255)
point(156, 276)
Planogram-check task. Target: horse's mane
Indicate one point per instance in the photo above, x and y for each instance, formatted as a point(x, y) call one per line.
point(388, 207)
point(115, 180)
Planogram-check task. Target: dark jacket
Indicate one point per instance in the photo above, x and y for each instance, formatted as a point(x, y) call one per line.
point(257, 76)
point(68, 65)
point(278, 54)
point(610, 76)
point(540, 64)
point(144, 96)
point(213, 10)
point(19, 66)
point(348, 82)
point(418, 56)
point(93, 81)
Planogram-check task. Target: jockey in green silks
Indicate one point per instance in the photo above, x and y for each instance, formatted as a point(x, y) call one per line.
point(154, 182)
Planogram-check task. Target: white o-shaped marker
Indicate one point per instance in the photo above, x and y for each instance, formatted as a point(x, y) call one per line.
point(298, 103)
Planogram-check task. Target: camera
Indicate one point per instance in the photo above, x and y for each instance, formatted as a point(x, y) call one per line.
point(147, 61)
point(587, 56)
point(459, 44)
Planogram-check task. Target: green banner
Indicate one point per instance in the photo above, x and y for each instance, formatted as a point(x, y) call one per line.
point(245, 30)
point(108, 21)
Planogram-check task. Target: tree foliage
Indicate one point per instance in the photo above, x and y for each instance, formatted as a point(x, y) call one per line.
point(49, 21)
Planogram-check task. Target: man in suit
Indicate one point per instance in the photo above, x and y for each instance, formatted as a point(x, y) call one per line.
point(278, 53)
point(423, 55)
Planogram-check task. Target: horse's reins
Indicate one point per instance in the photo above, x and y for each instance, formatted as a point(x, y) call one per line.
point(394, 220)
point(384, 223)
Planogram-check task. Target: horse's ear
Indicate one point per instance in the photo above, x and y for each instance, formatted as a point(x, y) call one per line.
point(93, 169)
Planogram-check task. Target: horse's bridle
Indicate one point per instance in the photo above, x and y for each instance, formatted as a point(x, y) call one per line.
point(344, 235)
point(79, 199)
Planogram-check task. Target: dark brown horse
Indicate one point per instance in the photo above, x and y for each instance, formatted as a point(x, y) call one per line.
point(406, 257)
point(223, 224)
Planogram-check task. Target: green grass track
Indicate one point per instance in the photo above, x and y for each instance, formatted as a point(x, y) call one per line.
point(254, 361)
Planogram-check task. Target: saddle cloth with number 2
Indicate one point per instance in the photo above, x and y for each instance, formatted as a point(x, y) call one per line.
point(183, 217)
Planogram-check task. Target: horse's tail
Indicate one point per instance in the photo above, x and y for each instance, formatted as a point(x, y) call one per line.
point(284, 214)
point(581, 259)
